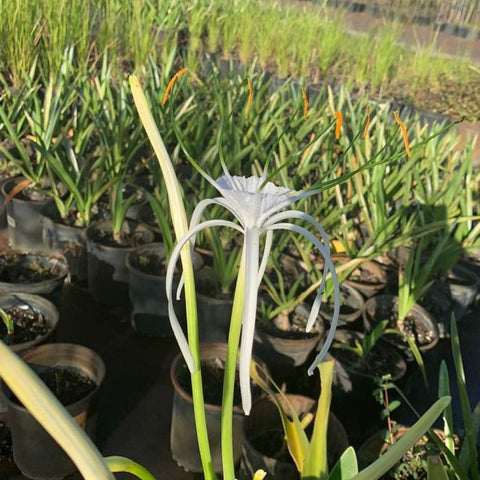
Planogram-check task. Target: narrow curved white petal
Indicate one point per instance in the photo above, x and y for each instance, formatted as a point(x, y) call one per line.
point(301, 216)
point(194, 221)
point(330, 268)
point(175, 324)
point(252, 247)
point(266, 253)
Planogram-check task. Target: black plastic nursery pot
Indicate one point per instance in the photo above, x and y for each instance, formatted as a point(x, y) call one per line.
point(355, 381)
point(463, 284)
point(279, 348)
point(146, 267)
point(25, 231)
point(214, 309)
point(36, 454)
point(35, 273)
point(183, 439)
point(263, 436)
point(3, 207)
point(423, 326)
point(369, 278)
point(69, 240)
point(107, 270)
point(351, 306)
point(31, 305)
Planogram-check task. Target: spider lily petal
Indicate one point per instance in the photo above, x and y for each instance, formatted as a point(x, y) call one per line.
point(330, 268)
point(176, 327)
point(194, 221)
point(252, 242)
point(266, 253)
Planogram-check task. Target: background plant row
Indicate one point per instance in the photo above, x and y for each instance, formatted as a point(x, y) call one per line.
point(307, 42)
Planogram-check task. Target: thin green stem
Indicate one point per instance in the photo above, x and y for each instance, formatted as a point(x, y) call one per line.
point(123, 464)
point(230, 372)
point(196, 377)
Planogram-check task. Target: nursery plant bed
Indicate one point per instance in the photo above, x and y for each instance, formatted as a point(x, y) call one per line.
point(135, 421)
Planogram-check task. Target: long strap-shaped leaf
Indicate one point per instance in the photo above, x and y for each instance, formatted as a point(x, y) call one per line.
point(468, 454)
point(316, 463)
point(396, 451)
point(297, 440)
point(346, 467)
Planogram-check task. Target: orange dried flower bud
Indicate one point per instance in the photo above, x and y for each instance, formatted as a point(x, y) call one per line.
point(250, 97)
point(338, 126)
point(171, 83)
point(404, 133)
point(305, 103)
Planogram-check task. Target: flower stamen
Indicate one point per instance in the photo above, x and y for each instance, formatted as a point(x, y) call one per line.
point(250, 97)
point(404, 133)
point(305, 103)
point(171, 83)
point(338, 126)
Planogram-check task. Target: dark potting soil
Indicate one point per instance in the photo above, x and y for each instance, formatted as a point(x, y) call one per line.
point(19, 268)
point(28, 326)
point(149, 263)
point(127, 240)
point(379, 362)
point(411, 326)
point(291, 326)
point(6, 453)
point(271, 443)
point(344, 309)
point(212, 378)
point(72, 218)
point(33, 193)
point(68, 384)
point(364, 275)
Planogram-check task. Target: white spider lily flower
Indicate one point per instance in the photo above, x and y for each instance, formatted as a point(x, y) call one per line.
point(258, 207)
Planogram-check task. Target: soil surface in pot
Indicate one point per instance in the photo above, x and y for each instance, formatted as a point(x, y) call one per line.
point(271, 443)
point(127, 240)
point(149, 263)
point(364, 275)
point(73, 218)
point(411, 326)
point(6, 454)
point(27, 326)
point(344, 309)
point(68, 384)
point(31, 193)
point(212, 376)
point(379, 362)
point(289, 326)
point(19, 268)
